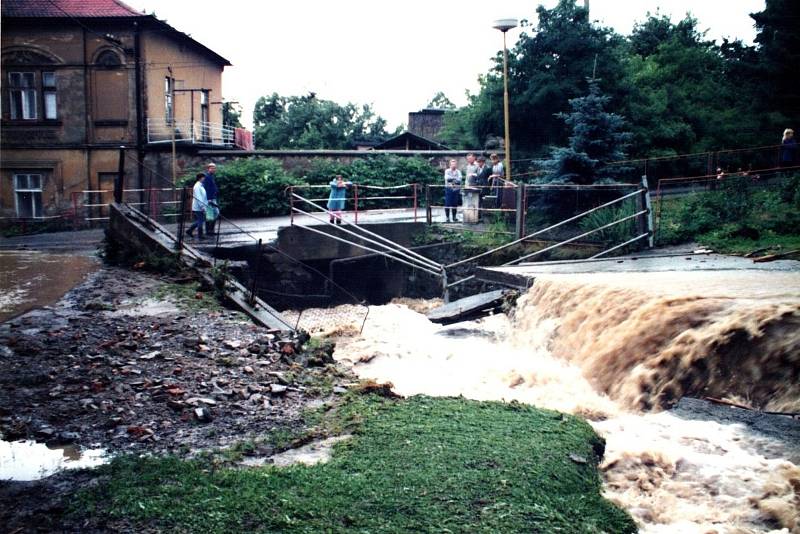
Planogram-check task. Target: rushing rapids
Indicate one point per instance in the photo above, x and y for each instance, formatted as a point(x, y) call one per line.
point(619, 350)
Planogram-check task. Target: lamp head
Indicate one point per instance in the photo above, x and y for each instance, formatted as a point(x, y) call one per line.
point(504, 24)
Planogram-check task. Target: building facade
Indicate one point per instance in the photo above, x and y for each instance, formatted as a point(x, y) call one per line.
point(86, 80)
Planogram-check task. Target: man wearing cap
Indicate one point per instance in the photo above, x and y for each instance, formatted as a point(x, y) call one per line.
point(212, 192)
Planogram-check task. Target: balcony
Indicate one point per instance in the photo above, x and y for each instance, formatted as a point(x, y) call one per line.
point(197, 133)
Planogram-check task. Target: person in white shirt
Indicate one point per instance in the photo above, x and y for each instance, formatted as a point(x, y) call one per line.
point(199, 203)
point(452, 190)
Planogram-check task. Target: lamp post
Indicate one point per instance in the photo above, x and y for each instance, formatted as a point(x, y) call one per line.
point(504, 25)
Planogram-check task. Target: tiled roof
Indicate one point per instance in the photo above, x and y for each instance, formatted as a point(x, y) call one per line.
point(67, 8)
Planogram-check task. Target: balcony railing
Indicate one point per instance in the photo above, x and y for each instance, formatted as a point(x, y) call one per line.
point(188, 131)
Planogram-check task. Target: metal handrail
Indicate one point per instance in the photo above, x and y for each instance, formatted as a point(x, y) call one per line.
point(617, 247)
point(538, 232)
point(419, 257)
point(571, 239)
point(382, 253)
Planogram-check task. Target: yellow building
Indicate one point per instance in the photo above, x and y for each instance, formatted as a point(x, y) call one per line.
point(83, 78)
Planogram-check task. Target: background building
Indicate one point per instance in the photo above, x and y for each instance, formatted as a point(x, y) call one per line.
point(82, 78)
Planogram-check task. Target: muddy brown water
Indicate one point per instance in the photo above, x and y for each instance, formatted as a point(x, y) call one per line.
point(619, 349)
point(30, 279)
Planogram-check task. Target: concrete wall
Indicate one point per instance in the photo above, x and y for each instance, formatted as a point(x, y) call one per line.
point(305, 245)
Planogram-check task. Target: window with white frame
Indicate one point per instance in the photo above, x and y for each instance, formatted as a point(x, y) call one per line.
point(22, 91)
point(28, 190)
point(168, 109)
point(49, 92)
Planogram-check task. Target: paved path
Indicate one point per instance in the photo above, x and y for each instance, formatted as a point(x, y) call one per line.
point(235, 232)
point(69, 241)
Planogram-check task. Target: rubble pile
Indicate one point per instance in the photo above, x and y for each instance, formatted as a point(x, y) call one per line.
point(101, 369)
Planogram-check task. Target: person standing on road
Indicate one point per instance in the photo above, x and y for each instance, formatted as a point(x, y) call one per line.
point(337, 198)
point(199, 203)
point(788, 149)
point(210, 185)
point(452, 190)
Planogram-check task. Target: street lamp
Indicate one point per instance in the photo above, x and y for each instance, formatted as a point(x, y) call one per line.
point(504, 25)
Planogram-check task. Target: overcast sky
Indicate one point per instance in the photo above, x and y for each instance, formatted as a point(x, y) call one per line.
point(393, 55)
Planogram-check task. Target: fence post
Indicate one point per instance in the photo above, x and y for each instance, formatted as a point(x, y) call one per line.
point(428, 213)
point(252, 298)
point(119, 179)
point(520, 222)
point(75, 210)
point(355, 194)
point(648, 217)
point(445, 289)
point(415, 201)
point(181, 220)
point(291, 205)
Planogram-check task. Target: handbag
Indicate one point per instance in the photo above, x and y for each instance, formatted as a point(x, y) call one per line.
point(212, 212)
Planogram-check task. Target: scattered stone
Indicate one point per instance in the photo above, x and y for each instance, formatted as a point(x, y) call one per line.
point(150, 355)
point(203, 415)
point(577, 458)
point(277, 389)
point(249, 370)
point(232, 343)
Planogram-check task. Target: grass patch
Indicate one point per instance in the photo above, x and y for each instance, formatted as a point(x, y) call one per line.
point(414, 465)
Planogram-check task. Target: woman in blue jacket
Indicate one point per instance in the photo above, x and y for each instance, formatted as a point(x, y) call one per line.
point(337, 198)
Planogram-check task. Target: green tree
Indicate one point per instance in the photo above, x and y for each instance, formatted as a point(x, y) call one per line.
point(681, 97)
point(310, 122)
point(547, 68)
point(440, 101)
point(597, 139)
point(231, 115)
point(778, 50)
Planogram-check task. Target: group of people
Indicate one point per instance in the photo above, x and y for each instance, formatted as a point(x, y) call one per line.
point(205, 206)
point(477, 174)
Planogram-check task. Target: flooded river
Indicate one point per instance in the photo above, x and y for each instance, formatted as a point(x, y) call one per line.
point(30, 279)
point(620, 349)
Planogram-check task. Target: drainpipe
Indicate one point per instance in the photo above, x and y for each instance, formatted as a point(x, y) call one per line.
point(137, 58)
point(86, 113)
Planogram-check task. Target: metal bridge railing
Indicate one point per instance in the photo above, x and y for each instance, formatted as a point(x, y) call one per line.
point(361, 199)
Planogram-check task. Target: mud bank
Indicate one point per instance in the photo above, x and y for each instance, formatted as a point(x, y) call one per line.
point(130, 362)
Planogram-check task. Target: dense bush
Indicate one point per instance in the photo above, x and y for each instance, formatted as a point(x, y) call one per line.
point(253, 187)
point(737, 210)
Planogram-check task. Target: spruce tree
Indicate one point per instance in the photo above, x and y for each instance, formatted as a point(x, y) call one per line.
point(597, 139)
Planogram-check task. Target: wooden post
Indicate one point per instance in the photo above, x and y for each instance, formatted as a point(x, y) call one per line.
point(181, 220)
point(520, 222)
point(428, 213)
point(119, 180)
point(252, 298)
point(649, 215)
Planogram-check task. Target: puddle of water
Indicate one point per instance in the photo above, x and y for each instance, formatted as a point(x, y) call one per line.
point(149, 307)
point(29, 460)
point(314, 453)
point(30, 279)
